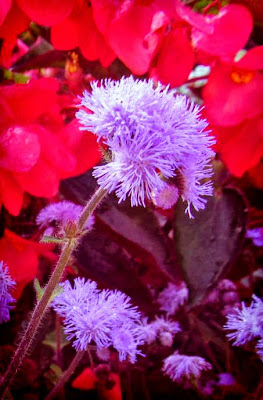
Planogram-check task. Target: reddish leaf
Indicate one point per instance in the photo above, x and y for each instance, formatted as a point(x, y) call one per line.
point(209, 243)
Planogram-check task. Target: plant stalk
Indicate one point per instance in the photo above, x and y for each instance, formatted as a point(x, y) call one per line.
point(43, 303)
point(66, 375)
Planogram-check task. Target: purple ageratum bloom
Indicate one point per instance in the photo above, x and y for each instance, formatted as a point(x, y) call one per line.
point(256, 235)
point(173, 297)
point(61, 213)
point(105, 317)
point(152, 134)
point(179, 366)
point(6, 286)
point(259, 348)
point(161, 328)
point(245, 323)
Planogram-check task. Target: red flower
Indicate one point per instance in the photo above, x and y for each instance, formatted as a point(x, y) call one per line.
point(136, 47)
point(221, 35)
point(48, 13)
point(79, 30)
point(12, 22)
point(34, 154)
point(175, 59)
point(233, 104)
point(234, 90)
point(22, 258)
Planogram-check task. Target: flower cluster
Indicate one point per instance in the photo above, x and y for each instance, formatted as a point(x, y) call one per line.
point(60, 214)
point(152, 135)
point(103, 316)
point(6, 286)
point(162, 329)
point(246, 324)
point(180, 366)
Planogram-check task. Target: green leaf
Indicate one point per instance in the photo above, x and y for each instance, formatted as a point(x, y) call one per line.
point(207, 244)
point(38, 289)
point(51, 340)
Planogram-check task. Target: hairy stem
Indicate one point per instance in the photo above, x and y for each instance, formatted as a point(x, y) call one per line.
point(43, 303)
point(90, 207)
point(66, 375)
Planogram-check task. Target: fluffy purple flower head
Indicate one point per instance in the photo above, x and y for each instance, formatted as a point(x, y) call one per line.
point(152, 134)
point(172, 297)
point(160, 328)
point(60, 213)
point(245, 323)
point(6, 286)
point(105, 317)
point(179, 366)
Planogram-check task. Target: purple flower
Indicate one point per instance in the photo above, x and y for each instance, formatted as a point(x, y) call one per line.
point(256, 235)
point(179, 366)
point(152, 134)
point(56, 216)
point(105, 317)
point(259, 348)
point(245, 323)
point(6, 286)
point(225, 379)
point(161, 328)
point(172, 297)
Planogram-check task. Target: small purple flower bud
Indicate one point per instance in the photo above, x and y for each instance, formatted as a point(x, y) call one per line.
point(60, 215)
point(166, 198)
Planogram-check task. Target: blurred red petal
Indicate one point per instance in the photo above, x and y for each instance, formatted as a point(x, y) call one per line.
point(83, 145)
point(232, 27)
point(241, 146)
point(47, 13)
point(28, 102)
point(19, 148)
point(135, 47)
point(42, 180)
point(256, 175)
point(86, 380)
point(115, 392)
point(4, 9)
point(11, 193)
point(15, 23)
point(252, 60)
point(21, 256)
point(175, 59)
point(228, 102)
point(54, 151)
point(79, 30)
point(91, 42)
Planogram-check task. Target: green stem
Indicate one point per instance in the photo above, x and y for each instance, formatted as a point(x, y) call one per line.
point(90, 207)
point(66, 375)
point(43, 303)
point(37, 317)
